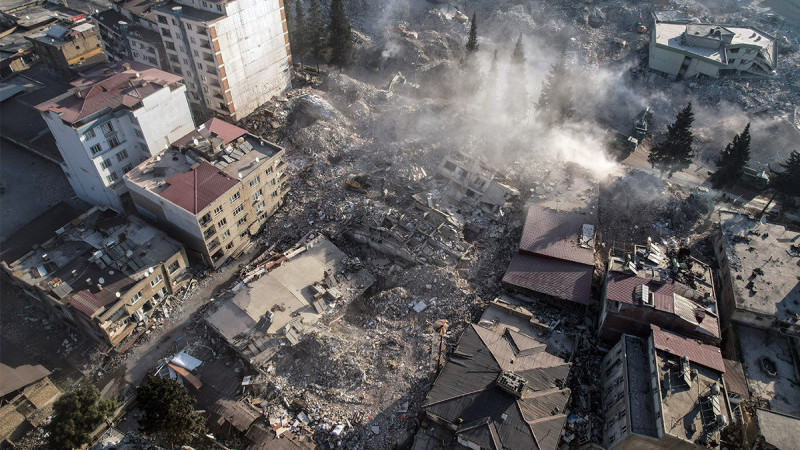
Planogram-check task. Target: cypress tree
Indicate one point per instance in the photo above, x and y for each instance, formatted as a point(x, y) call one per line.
point(316, 30)
point(518, 56)
point(785, 183)
point(472, 41)
point(340, 35)
point(298, 36)
point(555, 102)
point(675, 152)
point(731, 161)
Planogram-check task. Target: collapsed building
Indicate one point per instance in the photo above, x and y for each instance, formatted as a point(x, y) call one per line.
point(214, 188)
point(503, 386)
point(27, 395)
point(645, 286)
point(474, 182)
point(556, 256)
point(686, 50)
point(285, 295)
point(68, 47)
point(664, 391)
point(103, 273)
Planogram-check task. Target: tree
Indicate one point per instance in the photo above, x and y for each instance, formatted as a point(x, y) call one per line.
point(316, 30)
point(472, 41)
point(555, 102)
point(340, 35)
point(675, 152)
point(75, 416)
point(168, 410)
point(493, 67)
point(784, 184)
point(731, 161)
point(298, 35)
point(518, 56)
point(516, 90)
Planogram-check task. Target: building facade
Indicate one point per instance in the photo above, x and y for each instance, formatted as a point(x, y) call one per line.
point(103, 273)
point(69, 49)
point(110, 122)
point(214, 188)
point(234, 55)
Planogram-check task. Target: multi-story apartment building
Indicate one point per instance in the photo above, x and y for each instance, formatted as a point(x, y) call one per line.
point(111, 121)
point(213, 188)
point(102, 272)
point(69, 48)
point(233, 54)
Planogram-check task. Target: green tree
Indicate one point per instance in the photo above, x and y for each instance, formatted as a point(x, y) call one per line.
point(675, 152)
point(731, 161)
point(516, 90)
point(316, 30)
point(168, 411)
point(555, 103)
point(75, 416)
point(518, 55)
point(298, 35)
point(784, 184)
point(472, 41)
point(340, 35)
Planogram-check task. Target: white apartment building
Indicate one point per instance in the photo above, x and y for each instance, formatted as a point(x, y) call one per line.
point(233, 54)
point(111, 121)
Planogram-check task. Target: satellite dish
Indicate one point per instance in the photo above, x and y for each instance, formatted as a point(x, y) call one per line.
point(111, 272)
point(101, 280)
point(150, 270)
point(763, 220)
point(118, 294)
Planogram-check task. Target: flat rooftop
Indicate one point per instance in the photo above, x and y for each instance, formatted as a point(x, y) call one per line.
point(781, 390)
point(764, 260)
point(671, 35)
point(60, 34)
point(639, 393)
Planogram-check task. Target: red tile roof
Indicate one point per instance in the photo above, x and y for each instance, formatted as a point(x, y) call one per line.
point(226, 131)
point(127, 86)
point(199, 187)
point(705, 355)
point(621, 287)
point(86, 302)
point(555, 234)
point(556, 278)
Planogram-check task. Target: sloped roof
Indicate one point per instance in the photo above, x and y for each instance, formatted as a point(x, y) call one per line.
point(466, 390)
point(621, 288)
point(226, 131)
point(705, 355)
point(556, 234)
point(86, 302)
point(557, 278)
point(735, 380)
point(13, 378)
point(199, 187)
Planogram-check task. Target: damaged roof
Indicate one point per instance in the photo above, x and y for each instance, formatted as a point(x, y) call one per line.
point(13, 378)
point(196, 189)
point(705, 355)
point(216, 127)
point(558, 235)
point(466, 390)
point(557, 278)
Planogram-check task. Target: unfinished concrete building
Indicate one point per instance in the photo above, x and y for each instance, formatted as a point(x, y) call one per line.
point(234, 54)
point(214, 188)
point(474, 182)
point(102, 272)
point(644, 286)
point(685, 50)
point(69, 48)
point(665, 391)
point(555, 258)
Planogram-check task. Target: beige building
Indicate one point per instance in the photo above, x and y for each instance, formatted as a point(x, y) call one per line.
point(214, 188)
point(685, 50)
point(69, 49)
point(102, 272)
point(474, 182)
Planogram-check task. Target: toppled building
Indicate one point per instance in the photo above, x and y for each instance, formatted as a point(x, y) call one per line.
point(282, 297)
point(686, 50)
point(27, 395)
point(501, 389)
point(475, 182)
point(214, 188)
point(647, 286)
point(665, 391)
point(112, 120)
point(124, 38)
point(69, 48)
point(103, 273)
point(556, 256)
point(421, 234)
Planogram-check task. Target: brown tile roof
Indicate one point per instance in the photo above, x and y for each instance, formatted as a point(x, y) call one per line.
point(226, 131)
point(13, 378)
point(556, 278)
point(555, 234)
point(705, 355)
point(199, 187)
point(621, 288)
point(129, 83)
point(42, 394)
point(734, 378)
point(86, 302)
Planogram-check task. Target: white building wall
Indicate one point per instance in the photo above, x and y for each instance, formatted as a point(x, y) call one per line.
point(163, 118)
point(253, 49)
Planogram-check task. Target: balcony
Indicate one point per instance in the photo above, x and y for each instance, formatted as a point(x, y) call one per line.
point(209, 233)
point(213, 244)
point(205, 44)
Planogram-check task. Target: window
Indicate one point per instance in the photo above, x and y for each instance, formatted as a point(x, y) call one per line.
point(162, 19)
point(169, 45)
point(107, 128)
point(112, 177)
point(205, 219)
point(255, 181)
point(122, 155)
point(174, 23)
point(165, 32)
point(89, 134)
point(191, 39)
point(185, 62)
point(269, 170)
point(173, 267)
point(196, 53)
point(136, 297)
point(225, 235)
point(238, 209)
point(222, 222)
point(113, 142)
point(229, 246)
point(199, 66)
point(272, 182)
point(189, 26)
point(257, 195)
point(274, 194)
point(138, 133)
point(156, 280)
point(235, 197)
point(219, 8)
point(105, 164)
point(241, 221)
point(218, 210)
point(260, 206)
point(96, 148)
point(127, 168)
point(177, 70)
